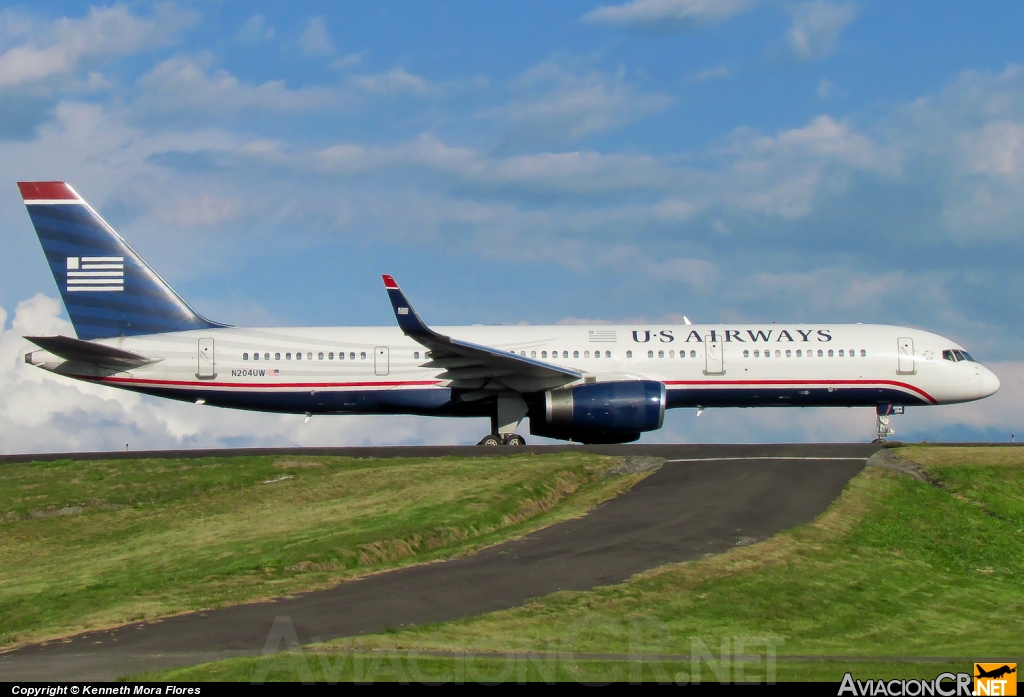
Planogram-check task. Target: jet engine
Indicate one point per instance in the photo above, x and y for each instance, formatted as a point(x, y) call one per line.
point(603, 412)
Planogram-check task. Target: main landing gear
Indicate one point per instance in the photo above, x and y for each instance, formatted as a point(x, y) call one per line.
point(508, 439)
point(508, 414)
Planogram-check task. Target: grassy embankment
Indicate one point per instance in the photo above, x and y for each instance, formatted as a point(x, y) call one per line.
point(94, 544)
point(896, 567)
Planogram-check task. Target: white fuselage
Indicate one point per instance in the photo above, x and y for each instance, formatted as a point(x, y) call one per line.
point(379, 369)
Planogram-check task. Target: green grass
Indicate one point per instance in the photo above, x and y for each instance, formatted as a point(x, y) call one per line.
point(896, 567)
point(385, 666)
point(101, 543)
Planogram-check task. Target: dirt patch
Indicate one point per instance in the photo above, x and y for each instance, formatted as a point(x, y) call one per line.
point(296, 464)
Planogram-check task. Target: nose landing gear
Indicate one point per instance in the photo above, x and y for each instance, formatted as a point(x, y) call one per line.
point(882, 414)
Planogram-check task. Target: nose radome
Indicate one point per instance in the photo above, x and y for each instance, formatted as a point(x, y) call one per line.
point(989, 382)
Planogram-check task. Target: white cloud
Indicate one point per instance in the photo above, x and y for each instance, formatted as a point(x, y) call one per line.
point(255, 30)
point(817, 26)
point(553, 102)
point(67, 43)
point(826, 90)
point(393, 82)
point(719, 72)
point(347, 61)
point(185, 84)
point(314, 40)
point(668, 14)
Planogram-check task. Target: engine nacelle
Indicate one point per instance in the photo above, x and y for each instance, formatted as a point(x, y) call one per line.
point(603, 412)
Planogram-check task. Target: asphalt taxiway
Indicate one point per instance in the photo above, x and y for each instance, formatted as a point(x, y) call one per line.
point(703, 500)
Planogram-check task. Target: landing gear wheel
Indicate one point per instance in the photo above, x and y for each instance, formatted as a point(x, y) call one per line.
point(878, 441)
point(515, 439)
point(490, 440)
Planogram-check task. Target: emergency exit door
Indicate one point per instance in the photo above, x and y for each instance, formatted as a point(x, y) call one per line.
point(905, 349)
point(380, 360)
point(206, 368)
point(713, 363)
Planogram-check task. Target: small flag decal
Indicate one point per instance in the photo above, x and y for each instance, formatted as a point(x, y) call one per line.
point(602, 336)
point(95, 274)
point(403, 310)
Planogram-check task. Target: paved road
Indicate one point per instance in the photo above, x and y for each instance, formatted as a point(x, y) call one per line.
point(704, 500)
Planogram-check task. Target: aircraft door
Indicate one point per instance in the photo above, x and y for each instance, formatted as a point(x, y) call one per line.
point(206, 369)
point(905, 348)
point(380, 360)
point(713, 364)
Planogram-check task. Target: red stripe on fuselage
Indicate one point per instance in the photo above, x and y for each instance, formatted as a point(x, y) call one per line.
point(795, 383)
point(247, 385)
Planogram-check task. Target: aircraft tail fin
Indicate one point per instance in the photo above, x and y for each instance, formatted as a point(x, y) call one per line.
point(107, 288)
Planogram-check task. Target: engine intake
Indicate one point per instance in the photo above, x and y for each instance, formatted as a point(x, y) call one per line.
point(604, 412)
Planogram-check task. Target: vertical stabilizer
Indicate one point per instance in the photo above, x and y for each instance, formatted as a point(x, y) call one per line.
point(107, 288)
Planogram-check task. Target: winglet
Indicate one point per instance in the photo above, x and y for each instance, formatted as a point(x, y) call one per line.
point(408, 321)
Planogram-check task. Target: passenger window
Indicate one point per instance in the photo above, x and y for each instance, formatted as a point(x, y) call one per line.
point(362, 355)
point(543, 354)
point(597, 354)
point(416, 355)
point(789, 354)
point(266, 356)
point(851, 353)
point(820, 354)
point(799, 353)
point(245, 356)
point(650, 354)
point(309, 355)
point(757, 353)
point(277, 356)
point(778, 353)
point(287, 356)
point(671, 354)
point(746, 353)
point(341, 355)
point(320, 356)
point(330, 356)
point(255, 356)
point(533, 354)
point(830, 353)
point(629, 354)
point(298, 355)
point(523, 354)
point(693, 354)
point(661, 354)
point(863, 353)
point(575, 354)
point(841, 354)
point(565, 354)
point(607, 354)
point(586, 354)
point(352, 355)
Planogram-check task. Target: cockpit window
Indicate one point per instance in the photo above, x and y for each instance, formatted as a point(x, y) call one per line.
point(957, 355)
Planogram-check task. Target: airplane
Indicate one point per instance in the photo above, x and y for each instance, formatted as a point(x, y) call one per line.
point(587, 384)
point(995, 672)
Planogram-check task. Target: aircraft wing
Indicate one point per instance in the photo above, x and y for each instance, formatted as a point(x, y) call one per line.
point(481, 370)
point(87, 352)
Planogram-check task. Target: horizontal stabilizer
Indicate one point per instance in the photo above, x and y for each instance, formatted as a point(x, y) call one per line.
point(87, 352)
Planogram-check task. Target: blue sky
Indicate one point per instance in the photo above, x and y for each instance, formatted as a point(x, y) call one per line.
point(534, 162)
